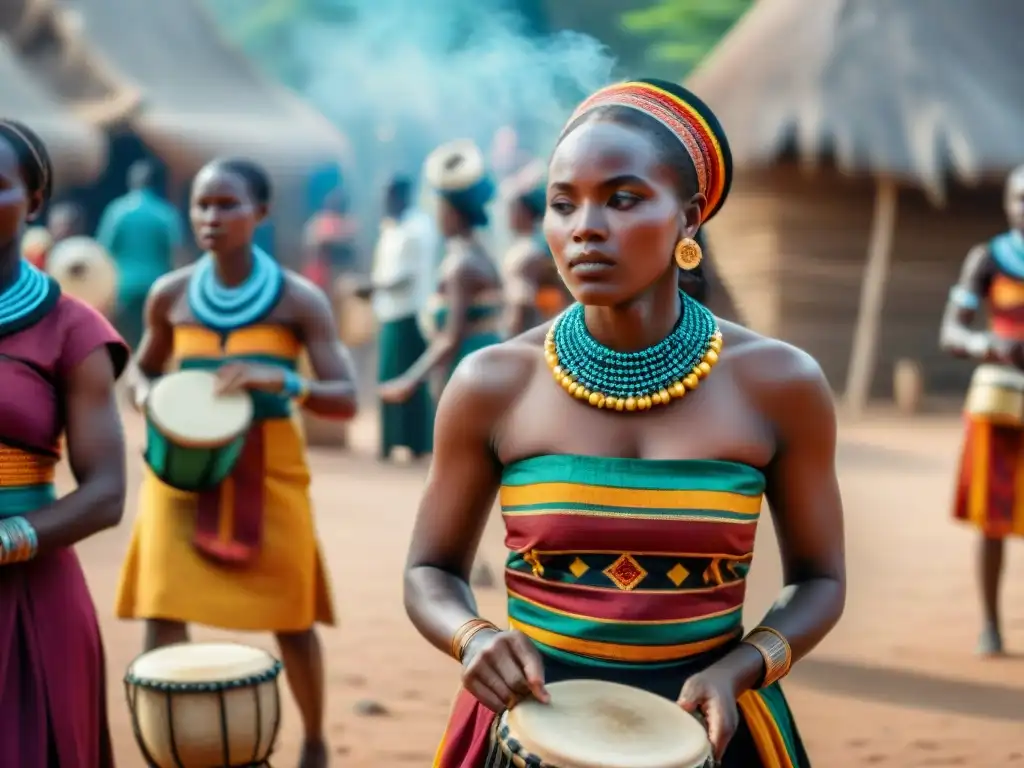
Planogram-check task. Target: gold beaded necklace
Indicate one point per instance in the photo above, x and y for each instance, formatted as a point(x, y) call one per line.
point(683, 371)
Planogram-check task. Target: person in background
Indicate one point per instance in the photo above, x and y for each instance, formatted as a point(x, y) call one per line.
point(331, 233)
point(989, 489)
point(534, 293)
point(401, 281)
point(247, 558)
point(143, 234)
point(66, 219)
point(464, 313)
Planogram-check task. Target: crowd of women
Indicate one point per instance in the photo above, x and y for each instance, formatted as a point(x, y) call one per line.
point(629, 433)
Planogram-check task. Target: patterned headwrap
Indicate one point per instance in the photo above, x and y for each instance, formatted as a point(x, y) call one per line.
point(688, 118)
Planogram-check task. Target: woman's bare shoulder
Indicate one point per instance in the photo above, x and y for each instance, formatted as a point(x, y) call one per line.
point(779, 375)
point(488, 382)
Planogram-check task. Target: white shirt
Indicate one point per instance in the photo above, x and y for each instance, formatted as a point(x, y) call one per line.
point(406, 250)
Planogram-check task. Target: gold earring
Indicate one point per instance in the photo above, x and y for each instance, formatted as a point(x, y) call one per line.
point(688, 254)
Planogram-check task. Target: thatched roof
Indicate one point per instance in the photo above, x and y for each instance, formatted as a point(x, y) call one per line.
point(926, 90)
point(78, 150)
point(46, 37)
point(202, 98)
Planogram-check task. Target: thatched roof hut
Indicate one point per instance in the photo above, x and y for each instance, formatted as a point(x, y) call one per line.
point(910, 112)
point(168, 77)
point(78, 150)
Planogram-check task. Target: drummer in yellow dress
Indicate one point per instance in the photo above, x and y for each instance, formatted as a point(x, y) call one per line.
point(244, 556)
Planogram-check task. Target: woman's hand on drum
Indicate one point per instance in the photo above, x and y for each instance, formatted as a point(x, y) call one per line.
point(711, 695)
point(242, 377)
point(501, 668)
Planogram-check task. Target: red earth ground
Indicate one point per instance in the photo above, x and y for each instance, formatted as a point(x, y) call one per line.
point(894, 685)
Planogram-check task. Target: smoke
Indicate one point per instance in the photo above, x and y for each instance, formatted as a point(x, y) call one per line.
point(402, 76)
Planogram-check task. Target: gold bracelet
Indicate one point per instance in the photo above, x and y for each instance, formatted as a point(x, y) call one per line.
point(467, 632)
point(775, 650)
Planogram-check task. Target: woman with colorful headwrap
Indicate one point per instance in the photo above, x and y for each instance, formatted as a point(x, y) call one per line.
point(534, 293)
point(464, 314)
point(631, 443)
point(59, 360)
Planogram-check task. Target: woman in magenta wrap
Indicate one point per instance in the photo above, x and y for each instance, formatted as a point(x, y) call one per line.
point(59, 360)
point(631, 442)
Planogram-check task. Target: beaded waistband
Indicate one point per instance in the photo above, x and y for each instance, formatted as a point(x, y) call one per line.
point(19, 468)
point(16, 501)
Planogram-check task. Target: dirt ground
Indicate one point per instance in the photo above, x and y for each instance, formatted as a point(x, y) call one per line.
point(894, 685)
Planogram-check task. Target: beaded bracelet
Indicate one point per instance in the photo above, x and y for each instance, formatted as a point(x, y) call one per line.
point(465, 633)
point(964, 298)
point(18, 540)
point(775, 650)
point(295, 387)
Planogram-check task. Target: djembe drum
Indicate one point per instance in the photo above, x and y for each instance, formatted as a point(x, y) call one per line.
point(204, 705)
point(83, 269)
point(594, 724)
point(996, 395)
point(194, 437)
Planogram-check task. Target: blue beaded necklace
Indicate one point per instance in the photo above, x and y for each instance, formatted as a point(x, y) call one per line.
point(226, 309)
point(27, 300)
point(633, 381)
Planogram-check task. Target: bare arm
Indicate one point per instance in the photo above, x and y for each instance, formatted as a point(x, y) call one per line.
point(956, 335)
point(459, 493)
point(96, 452)
point(334, 391)
point(521, 295)
point(803, 493)
point(157, 344)
point(458, 287)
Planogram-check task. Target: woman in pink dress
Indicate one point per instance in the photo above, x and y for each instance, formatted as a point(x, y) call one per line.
point(59, 360)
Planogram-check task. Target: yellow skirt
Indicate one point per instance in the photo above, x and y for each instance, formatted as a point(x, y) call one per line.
point(286, 589)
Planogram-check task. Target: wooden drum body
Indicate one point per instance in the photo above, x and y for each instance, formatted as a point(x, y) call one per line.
point(996, 395)
point(594, 724)
point(194, 436)
point(204, 705)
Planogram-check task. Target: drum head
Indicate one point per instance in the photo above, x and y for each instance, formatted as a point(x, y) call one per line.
point(185, 408)
point(201, 663)
point(84, 269)
point(594, 724)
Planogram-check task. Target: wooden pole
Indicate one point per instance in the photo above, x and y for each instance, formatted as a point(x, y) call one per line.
point(864, 354)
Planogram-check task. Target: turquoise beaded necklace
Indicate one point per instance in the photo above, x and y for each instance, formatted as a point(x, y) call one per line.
point(633, 381)
point(226, 309)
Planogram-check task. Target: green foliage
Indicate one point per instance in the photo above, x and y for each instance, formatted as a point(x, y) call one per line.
point(266, 30)
point(682, 32)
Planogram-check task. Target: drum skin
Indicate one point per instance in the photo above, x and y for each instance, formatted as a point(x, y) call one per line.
point(596, 724)
point(204, 705)
point(85, 270)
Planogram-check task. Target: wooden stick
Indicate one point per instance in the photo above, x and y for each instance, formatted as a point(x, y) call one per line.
point(864, 354)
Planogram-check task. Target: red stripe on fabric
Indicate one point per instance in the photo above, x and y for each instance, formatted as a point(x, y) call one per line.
point(1004, 451)
point(618, 605)
point(467, 738)
point(559, 532)
point(962, 496)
